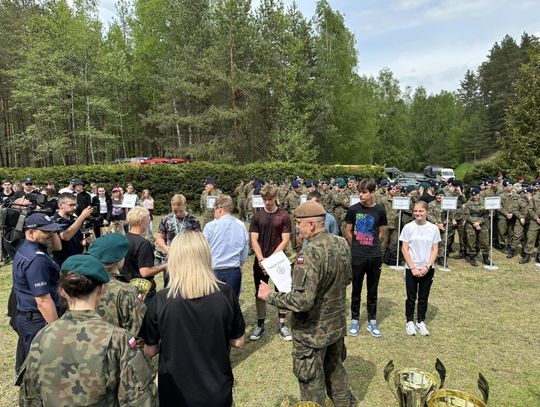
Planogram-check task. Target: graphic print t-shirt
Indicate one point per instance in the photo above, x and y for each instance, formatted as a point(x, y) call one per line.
point(366, 222)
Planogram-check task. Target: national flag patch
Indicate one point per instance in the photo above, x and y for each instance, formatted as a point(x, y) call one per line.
point(300, 260)
point(132, 342)
point(140, 297)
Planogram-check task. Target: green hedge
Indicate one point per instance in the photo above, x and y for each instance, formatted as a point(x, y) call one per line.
point(165, 180)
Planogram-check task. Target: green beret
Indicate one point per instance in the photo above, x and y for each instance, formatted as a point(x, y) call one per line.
point(87, 266)
point(110, 248)
point(424, 185)
point(440, 191)
point(410, 188)
point(309, 209)
point(351, 178)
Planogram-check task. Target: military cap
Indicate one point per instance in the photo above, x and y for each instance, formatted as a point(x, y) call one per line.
point(475, 191)
point(310, 184)
point(528, 190)
point(27, 180)
point(324, 181)
point(309, 209)
point(40, 221)
point(440, 191)
point(383, 182)
point(454, 182)
point(535, 182)
point(87, 266)
point(295, 184)
point(525, 183)
point(424, 185)
point(434, 184)
point(507, 182)
point(391, 185)
point(110, 248)
point(340, 182)
point(77, 181)
point(210, 181)
point(351, 178)
point(409, 188)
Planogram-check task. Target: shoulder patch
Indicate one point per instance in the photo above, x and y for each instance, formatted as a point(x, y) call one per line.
point(132, 342)
point(41, 253)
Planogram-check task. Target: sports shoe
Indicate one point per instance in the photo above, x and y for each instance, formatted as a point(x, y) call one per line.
point(355, 326)
point(410, 329)
point(257, 332)
point(373, 328)
point(285, 334)
point(422, 328)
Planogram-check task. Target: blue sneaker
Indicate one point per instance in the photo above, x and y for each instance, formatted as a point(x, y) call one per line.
point(373, 328)
point(355, 326)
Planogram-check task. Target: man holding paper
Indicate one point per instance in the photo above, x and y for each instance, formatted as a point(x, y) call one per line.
point(320, 277)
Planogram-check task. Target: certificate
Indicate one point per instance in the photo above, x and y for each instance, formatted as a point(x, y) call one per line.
point(492, 202)
point(278, 267)
point(449, 203)
point(129, 201)
point(257, 201)
point(210, 202)
point(354, 199)
point(303, 199)
point(401, 203)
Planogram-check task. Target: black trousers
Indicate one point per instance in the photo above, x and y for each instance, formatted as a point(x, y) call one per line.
point(371, 268)
point(417, 288)
point(27, 328)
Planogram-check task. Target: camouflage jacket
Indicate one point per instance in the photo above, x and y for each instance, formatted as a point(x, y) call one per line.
point(435, 213)
point(461, 200)
point(340, 201)
point(81, 360)
point(534, 208)
point(170, 226)
point(121, 306)
point(473, 211)
point(509, 204)
point(292, 200)
point(391, 214)
point(239, 192)
point(320, 277)
point(204, 198)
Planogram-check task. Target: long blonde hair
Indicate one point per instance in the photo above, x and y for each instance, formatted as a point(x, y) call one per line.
point(190, 267)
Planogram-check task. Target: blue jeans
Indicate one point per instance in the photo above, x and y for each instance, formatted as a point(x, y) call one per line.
point(231, 276)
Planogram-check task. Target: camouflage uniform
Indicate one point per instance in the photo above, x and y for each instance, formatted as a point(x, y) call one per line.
point(240, 196)
point(121, 305)
point(83, 360)
point(509, 205)
point(437, 216)
point(340, 201)
point(473, 211)
point(380, 196)
point(534, 227)
point(208, 213)
point(326, 200)
point(391, 232)
point(521, 229)
point(248, 204)
point(457, 217)
point(282, 192)
point(320, 276)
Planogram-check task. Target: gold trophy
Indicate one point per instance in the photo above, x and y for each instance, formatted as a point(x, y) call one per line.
point(456, 398)
point(412, 386)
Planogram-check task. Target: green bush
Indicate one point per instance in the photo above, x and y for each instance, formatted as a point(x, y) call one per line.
point(165, 180)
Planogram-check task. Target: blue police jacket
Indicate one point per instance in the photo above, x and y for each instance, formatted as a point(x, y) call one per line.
point(34, 274)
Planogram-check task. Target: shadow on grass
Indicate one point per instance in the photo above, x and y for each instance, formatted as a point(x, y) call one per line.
point(384, 308)
point(431, 313)
point(361, 372)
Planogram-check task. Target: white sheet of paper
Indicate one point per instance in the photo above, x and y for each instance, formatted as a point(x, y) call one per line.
point(210, 202)
point(449, 203)
point(257, 201)
point(354, 199)
point(129, 201)
point(492, 202)
point(278, 267)
point(303, 199)
point(401, 203)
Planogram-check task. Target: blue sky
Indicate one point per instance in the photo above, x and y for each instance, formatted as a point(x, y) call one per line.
point(429, 43)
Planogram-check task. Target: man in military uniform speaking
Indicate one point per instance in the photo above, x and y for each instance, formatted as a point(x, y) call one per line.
point(320, 277)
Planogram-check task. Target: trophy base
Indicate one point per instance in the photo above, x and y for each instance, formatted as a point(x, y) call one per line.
point(397, 268)
point(443, 269)
point(491, 267)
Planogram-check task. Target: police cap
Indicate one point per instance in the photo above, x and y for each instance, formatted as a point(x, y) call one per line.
point(87, 266)
point(40, 221)
point(309, 209)
point(110, 248)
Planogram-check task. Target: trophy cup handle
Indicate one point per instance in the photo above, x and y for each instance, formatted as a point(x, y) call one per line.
point(483, 386)
point(441, 370)
point(388, 369)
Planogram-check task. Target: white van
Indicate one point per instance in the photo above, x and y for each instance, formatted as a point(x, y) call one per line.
point(447, 173)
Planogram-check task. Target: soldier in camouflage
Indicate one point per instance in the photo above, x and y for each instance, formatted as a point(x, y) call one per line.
point(391, 233)
point(321, 274)
point(209, 190)
point(438, 218)
point(82, 359)
point(120, 304)
point(475, 217)
point(533, 214)
point(240, 199)
point(457, 223)
point(508, 213)
point(340, 202)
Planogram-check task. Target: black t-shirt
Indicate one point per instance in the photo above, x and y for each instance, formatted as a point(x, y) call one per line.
point(140, 254)
point(71, 246)
point(194, 336)
point(5, 197)
point(84, 200)
point(366, 222)
point(426, 197)
point(270, 226)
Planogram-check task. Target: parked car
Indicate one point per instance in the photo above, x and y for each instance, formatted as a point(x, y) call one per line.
point(414, 175)
point(447, 173)
point(433, 171)
point(404, 182)
point(392, 173)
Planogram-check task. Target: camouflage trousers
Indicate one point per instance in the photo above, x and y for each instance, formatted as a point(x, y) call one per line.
point(532, 237)
point(208, 216)
point(506, 231)
point(462, 235)
point(475, 237)
point(390, 239)
point(321, 372)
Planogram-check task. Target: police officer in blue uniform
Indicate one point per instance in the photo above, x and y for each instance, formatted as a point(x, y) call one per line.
point(35, 281)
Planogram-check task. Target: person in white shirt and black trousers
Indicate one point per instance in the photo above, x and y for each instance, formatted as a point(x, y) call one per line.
point(419, 247)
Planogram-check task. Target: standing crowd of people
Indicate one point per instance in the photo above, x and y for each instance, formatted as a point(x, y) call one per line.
point(87, 274)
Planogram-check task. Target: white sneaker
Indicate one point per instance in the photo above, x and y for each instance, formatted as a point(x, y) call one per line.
point(410, 329)
point(422, 328)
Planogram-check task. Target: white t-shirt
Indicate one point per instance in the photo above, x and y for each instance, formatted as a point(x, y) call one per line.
point(421, 239)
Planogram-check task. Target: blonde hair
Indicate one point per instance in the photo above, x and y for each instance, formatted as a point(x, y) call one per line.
point(269, 191)
point(178, 199)
point(190, 267)
point(136, 215)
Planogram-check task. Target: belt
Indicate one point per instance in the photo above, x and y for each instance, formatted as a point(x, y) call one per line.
point(29, 314)
point(237, 268)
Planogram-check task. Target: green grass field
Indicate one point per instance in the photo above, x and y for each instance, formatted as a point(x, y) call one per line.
point(480, 321)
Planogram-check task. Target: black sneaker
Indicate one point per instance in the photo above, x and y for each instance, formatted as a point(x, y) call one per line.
point(257, 332)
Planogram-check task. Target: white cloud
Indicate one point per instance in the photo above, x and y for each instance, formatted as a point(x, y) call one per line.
point(410, 4)
point(451, 9)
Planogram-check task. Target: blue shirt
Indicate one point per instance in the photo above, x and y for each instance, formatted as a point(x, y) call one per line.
point(34, 274)
point(228, 240)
